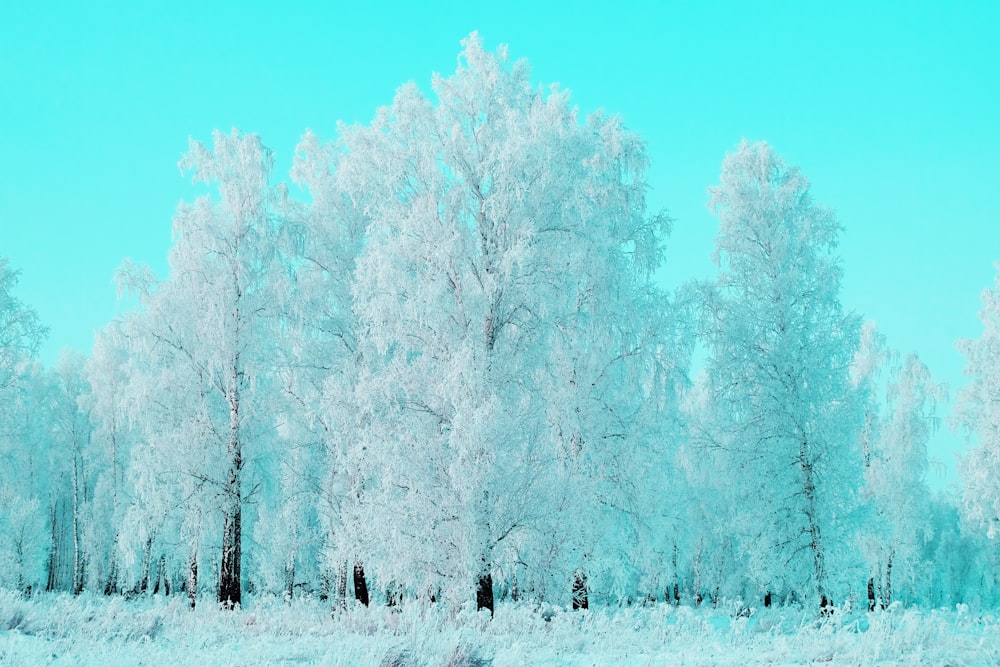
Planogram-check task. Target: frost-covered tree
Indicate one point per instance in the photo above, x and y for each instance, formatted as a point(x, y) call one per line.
point(896, 479)
point(978, 413)
point(207, 334)
point(317, 371)
point(780, 354)
point(503, 233)
point(24, 537)
point(112, 439)
point(71, 430)
point(21, 332)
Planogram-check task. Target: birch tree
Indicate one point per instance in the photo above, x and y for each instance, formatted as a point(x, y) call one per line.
point(24, 534)
point(780, 354)
point(896, 477)
point(977, 413)
point(214, 319)
point(498, 222)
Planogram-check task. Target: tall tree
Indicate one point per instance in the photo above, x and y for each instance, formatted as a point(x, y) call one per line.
point(978, 413)
point(896, 478)
point(24, 534)
point(498, 225)
point(780, 354)
point(214, 321)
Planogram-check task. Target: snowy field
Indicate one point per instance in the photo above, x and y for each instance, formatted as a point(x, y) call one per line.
point(63, 630)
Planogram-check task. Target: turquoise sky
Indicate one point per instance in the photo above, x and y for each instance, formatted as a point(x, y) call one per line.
point(892, 111)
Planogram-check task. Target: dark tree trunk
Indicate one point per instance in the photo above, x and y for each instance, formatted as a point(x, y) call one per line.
point(147, 556)
point(515, 592)
point(767, 599)
point(111, 583)
point(192, 581)
point(50, 584)
point(290, 579)
point(887, 597)
point(393, 595)
point(360, 585)
point(230, 584)
point(484, 592)
point(871, 593)
point(825, 606)
point(677, 593)
point(580, 600)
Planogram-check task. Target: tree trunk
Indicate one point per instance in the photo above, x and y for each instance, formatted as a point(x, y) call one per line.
point(360, 585)
point(111, 583)
point(192, 580)
point(484, 592)
point(697, 578)
point(887, 591)
point(290, 579)
point(77, 566)
point(580, 600)
point(147, 556)
point(871, 593)
point(50, 583)
point(767, 599)
point(340, 594)
point(815, 538)
point(230, 584)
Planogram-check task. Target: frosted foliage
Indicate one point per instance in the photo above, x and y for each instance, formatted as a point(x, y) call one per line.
point(20, 330)
point(978, 413)
point(197, 391)
point(895, 479)
point(781, 350)
point(503, 233)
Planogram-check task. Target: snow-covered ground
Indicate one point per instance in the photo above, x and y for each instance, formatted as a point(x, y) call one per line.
point(91, 630)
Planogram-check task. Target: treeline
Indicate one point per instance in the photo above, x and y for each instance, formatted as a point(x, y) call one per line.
point(437, 365)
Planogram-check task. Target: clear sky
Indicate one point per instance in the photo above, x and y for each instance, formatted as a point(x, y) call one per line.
point(892, 110)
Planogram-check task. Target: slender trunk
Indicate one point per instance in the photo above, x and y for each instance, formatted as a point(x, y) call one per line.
point(77, 569)
point(111, 583)
point(230, 589)
point(360, 585)
point(290, 578)
point(677, 585)
point(887, 591)
point(192, 578)
point(815, 539)
point(767, 599)
point(147, 556)
point(340, 592)
point(697, 578)
point(871, 593)
point(50, 584)
point(580, 600)
point(515, 592)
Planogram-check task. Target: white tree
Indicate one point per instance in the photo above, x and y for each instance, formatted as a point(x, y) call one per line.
point(896, 477)
point(210, 328)
point(780, 352)
point(499, 226)
point(106, 371)
point(24, 535)
point(978, 413)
